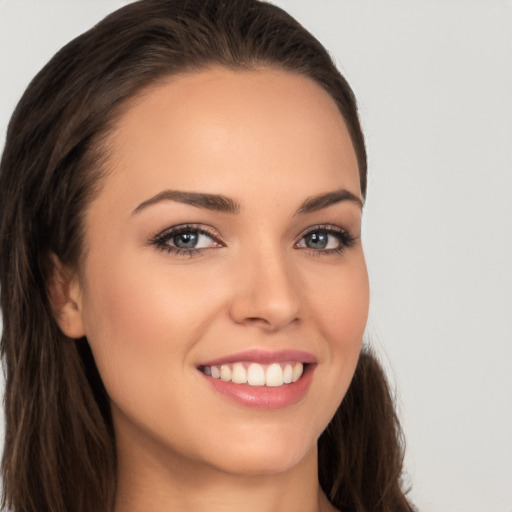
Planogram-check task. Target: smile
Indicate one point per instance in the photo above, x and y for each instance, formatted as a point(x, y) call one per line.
point(256, 374)
point(261, 379)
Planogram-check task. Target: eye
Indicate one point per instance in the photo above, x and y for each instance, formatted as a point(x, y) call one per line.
point(186, 239)
point(190, 240)
point(326, 239)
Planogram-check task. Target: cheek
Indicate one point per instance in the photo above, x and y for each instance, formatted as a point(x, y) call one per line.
point(341, 304)
point(141, 322)
point(341, 310)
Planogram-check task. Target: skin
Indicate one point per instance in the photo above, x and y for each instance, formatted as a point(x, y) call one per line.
point(268, 140)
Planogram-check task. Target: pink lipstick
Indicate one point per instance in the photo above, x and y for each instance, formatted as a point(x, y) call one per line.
point(261, 379)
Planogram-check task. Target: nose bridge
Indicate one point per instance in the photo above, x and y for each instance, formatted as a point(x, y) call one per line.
point(266, 288)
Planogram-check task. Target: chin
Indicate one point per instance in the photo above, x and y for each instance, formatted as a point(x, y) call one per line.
point(265, 454)
point(261, 464)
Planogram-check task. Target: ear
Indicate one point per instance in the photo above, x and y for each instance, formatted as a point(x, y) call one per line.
point(64, 295)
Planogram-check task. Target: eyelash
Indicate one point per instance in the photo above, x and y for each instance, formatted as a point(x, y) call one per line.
point(161, 241)
point(345, 238)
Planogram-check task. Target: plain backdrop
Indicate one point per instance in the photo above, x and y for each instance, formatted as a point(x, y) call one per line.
point(434, 83)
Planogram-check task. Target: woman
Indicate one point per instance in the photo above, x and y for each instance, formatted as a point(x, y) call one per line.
point(183, 284)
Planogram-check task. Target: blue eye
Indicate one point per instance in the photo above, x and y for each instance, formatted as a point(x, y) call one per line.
point(185, 240)
point(190, 240)
point(331, 239)
point(321, 240)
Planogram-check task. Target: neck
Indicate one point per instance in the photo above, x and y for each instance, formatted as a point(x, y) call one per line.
point(159, 482)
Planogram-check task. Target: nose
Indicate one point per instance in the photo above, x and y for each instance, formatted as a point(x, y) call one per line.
point(266, 292)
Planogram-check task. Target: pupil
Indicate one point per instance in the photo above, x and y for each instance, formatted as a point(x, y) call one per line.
point(317, 240)
point(186, 240)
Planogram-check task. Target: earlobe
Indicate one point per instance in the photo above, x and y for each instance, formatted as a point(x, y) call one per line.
point(65, 298)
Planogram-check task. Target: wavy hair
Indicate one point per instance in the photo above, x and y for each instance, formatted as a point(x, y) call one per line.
point(59, 452)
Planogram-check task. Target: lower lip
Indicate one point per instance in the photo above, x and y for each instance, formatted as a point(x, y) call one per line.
point(264, 397)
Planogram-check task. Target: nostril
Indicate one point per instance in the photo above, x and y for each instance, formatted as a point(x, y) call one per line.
point(266, 297)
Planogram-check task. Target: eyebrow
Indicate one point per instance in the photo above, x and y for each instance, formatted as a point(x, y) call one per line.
point(319, 202)
point(214, 202)
point(220, 203)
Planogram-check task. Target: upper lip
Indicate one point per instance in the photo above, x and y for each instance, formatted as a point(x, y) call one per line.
point(264, 357)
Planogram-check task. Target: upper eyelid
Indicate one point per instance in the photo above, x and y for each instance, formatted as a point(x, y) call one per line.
point(321, 227)
point(200, 228)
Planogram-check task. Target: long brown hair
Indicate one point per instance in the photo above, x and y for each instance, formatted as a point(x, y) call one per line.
point(59, 453)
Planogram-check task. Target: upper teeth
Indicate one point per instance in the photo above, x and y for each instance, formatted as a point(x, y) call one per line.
point(254, 374)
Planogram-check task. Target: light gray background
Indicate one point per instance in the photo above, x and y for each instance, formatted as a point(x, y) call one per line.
point(434, 82)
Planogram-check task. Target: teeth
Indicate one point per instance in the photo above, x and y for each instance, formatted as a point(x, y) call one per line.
point(254, 374)
point(297, 372)
point(239, 375)
point(274, 375)
point(225, 372)
point(287, 374)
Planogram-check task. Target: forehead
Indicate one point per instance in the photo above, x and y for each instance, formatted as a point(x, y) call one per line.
point(219, 128)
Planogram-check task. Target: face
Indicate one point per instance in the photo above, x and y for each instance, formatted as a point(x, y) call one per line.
point(225, 246)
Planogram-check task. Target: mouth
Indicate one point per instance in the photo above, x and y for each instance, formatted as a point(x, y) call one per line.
point(261, 379)
point(256, 374)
